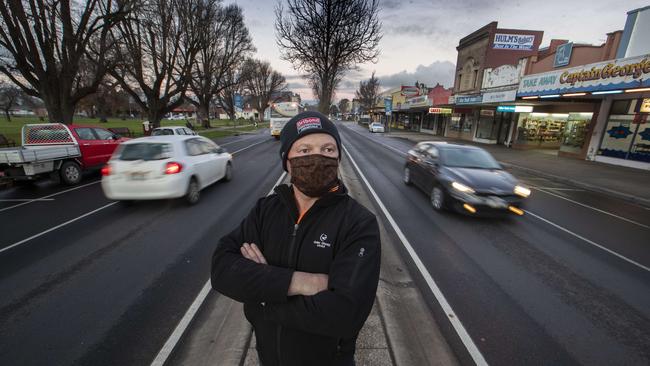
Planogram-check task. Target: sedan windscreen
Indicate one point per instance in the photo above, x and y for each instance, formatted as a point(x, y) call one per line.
point(161, 132)
point(468, 158)
point(145, 151)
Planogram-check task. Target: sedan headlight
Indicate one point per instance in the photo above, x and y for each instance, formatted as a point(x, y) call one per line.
point(522, 191)
point(461, 187)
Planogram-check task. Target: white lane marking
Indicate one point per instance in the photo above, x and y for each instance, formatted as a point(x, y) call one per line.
point(185, 321)
point(249, 146)
point(442, 300)
point(559, 189)
point(56, 227)
point(26, 199)
point(49, 196)
point(593, 208)
point(377, 142)
point(589, 241)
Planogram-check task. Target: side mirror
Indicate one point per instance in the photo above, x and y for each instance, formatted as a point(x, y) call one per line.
point(220, 150)
point(116, 137)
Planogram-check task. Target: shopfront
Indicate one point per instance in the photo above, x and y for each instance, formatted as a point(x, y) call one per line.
point(595, 111)
point(436, 120)
point(465, 117)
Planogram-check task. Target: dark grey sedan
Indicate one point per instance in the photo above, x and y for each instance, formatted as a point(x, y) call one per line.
point(463, 178)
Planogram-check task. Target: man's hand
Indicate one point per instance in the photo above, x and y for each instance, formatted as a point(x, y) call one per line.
point(307, 284)
point(302, 283)
point(252, 252)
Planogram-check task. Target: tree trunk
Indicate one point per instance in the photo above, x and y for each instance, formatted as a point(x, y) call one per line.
point(7, 115)
point(325, 99)
point(203, 114)
point(154, 117)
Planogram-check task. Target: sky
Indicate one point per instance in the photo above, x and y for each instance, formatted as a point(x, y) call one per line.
point(420, 36)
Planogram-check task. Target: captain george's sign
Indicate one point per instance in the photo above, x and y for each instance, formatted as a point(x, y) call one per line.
point(619, 74)
point(519, 42)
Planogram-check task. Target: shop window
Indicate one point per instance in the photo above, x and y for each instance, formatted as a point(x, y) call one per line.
point(575, 132)
point(486, 128)
point(541, 129)
point(620, 107)
point(625, 139)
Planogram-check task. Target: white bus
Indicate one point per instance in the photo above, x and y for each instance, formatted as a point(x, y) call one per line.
point(281, 113)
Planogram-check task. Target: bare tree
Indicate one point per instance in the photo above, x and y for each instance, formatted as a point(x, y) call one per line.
point(234, 80)
point(157, 51)
point(9, 97)
point(262, 84)
point(326, 38)
point(368, 93)
point(344, 105)
point(223, 43)
point(58, 51)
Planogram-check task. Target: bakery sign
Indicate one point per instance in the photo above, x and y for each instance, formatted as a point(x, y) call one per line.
point(619, 74)
point(518, 42)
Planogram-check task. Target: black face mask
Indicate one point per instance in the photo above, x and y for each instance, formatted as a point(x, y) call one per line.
point(314, 175)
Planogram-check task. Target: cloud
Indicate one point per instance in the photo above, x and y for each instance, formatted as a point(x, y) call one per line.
point(437, 72)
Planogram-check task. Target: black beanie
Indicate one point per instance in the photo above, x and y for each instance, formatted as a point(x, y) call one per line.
point(304, 124)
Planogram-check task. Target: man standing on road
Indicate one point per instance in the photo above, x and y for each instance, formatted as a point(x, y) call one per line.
point(305, 261)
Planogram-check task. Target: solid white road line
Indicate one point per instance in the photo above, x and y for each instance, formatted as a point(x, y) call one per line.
point(176, 335)
point(588, 241)
point(56, 227)
point(26, 199)
point(49, 196)
point(559, 189)
point(471, 347)
point(593, 208)
point(249, 146)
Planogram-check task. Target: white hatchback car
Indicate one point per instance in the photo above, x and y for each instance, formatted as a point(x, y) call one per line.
point(376, 127)
point(172, 130)
point(160, 167)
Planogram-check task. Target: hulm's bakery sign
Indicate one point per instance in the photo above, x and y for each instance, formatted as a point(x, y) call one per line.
point(620, 74)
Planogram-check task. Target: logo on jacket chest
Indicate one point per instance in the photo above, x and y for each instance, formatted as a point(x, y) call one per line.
point(322, 242)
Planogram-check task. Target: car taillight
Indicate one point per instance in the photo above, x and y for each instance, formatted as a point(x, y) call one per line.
point(106, 170)
point(173, 168)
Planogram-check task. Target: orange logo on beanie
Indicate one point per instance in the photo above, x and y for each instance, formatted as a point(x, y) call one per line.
point(308, 123)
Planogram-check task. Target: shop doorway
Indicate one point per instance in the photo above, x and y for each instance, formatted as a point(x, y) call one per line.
point(504, 121)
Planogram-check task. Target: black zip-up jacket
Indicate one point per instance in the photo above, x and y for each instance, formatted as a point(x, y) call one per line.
point(336, 236)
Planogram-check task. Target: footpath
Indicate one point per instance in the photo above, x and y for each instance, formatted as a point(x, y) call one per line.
point(629, 184)
point(400, 331)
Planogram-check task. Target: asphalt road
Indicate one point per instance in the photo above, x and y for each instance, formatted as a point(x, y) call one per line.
point(108, 288)
point(568, 283)
point(86, 281)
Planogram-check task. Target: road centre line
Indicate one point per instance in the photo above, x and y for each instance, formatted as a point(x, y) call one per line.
point(185, 321)
point(26, 199)
point(558, 189)
point(471, 347)
point(545, 191)
point(49, 196)
point(249, 146)
point(56, 227)
point(588, 241)
point(593, 208)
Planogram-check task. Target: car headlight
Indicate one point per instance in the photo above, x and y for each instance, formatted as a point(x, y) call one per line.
point(522, 191)
point(461, 187)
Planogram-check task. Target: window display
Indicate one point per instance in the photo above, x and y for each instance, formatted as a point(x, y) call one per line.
point(575, 132)
point(627, 137)
point(542, 129)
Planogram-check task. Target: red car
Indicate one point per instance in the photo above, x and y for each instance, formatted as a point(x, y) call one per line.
point(58, 151)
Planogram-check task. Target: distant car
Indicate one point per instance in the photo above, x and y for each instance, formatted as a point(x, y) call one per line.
point(161, 167)
point(376, 127)
point(463, 178)
point(172, 130)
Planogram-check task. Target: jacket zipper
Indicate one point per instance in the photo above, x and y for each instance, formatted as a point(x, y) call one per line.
point(292, 245)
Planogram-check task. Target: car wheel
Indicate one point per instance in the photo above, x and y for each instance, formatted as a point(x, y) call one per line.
point(438, 198)
point(70, 173)
point(407, 176)
point(228, 176)
point(193, 192)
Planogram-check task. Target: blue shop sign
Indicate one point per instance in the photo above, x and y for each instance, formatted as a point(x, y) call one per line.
point(473, 99)
point(563, 55)
point(506, 108)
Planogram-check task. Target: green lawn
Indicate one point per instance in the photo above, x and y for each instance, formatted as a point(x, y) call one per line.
point(12, 129)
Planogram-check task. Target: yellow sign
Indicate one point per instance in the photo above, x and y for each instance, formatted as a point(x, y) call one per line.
point(440, 110)
point(645, 106)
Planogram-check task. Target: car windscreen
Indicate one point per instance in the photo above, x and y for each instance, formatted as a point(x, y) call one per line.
point(145, 151)
point(468, 158)
point(162, 131)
